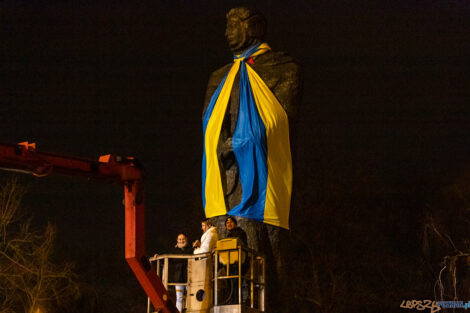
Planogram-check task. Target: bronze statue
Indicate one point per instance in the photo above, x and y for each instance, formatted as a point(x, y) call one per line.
point(246, 27)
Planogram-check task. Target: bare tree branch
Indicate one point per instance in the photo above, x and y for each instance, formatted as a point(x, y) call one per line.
point(30, 280)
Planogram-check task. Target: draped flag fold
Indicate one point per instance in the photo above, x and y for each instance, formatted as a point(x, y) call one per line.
point(260, 144)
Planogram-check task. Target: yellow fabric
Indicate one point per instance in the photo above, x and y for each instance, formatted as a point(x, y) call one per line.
point(263, 48)
point(278, 193)
point(215, 200)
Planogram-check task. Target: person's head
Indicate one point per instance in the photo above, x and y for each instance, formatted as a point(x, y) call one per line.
point(181, 241)
point(230, 223)
point(206, 223)
point(245, 27)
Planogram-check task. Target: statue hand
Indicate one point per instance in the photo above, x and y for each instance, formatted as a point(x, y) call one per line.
point(228, 145)
point(226, 155)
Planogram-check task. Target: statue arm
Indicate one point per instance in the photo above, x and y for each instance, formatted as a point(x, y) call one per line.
point(213, 83)
point(289, 89)
point(211, 87)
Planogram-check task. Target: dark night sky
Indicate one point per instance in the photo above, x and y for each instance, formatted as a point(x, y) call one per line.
point(384, 113)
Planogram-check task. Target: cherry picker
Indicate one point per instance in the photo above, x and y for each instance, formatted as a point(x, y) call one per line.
point(204, 275)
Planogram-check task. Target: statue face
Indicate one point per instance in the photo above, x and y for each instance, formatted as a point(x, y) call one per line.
point(237, 34)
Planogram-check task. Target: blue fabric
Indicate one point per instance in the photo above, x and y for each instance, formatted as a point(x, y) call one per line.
point(247, 52)
point(250, 149)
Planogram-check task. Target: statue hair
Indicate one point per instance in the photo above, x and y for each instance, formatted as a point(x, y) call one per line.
point(255, 19)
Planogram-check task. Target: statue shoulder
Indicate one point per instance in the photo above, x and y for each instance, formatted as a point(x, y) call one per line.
point(214, 81)
point(279, 59)
point(217, 75)
point(284, 76)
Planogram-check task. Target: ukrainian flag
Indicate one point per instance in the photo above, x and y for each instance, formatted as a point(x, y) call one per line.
point(260, 144)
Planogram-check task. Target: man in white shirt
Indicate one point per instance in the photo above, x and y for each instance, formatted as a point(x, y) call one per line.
point(208, 239)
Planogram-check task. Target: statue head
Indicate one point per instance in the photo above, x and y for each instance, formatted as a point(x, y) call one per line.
point(245, 27)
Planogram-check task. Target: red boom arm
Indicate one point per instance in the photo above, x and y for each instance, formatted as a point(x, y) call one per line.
point(24, 158)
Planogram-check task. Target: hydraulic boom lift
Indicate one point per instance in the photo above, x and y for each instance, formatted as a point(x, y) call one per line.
point(126, 171)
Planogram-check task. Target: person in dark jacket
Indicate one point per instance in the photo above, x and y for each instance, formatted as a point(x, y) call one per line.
point(180, 266)
point(234, 231)
point(178, 270)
